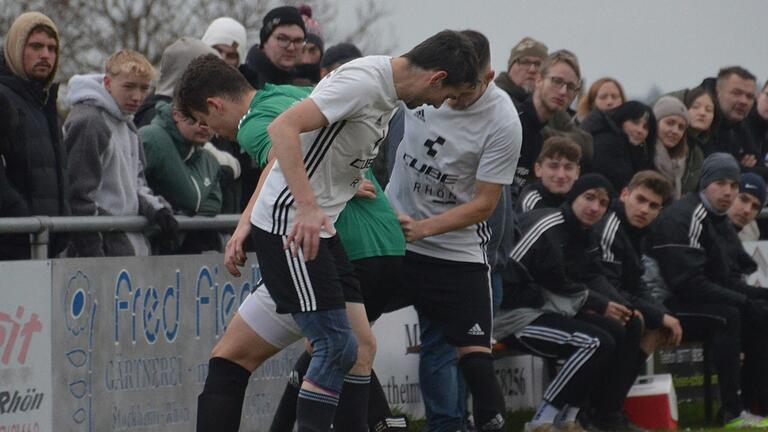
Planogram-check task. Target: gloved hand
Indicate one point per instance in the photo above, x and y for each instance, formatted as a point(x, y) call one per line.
point(169, 229)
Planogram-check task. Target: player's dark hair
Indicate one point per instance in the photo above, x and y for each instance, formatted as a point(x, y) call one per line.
point(208, 76)
point(558, 146)
point(654, 181)
point(448, 51)
point(481, 45)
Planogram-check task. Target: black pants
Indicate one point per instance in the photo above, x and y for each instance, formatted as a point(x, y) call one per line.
point(754, 371)
point(586, 347)
point(719, 325)
point(611, 387)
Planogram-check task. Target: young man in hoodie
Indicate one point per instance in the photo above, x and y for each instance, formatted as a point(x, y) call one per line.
point(703, 264)
point(33, 156)
point(105, 157)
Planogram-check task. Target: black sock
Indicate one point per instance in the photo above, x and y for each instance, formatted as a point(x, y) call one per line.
point(487, 400)
point(314, 411)
point(220, 405)
point(285, 415)
point(352, 415)
point(378, 407)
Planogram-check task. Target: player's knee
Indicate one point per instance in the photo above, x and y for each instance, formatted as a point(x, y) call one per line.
point(366, 350)
point(346, 345)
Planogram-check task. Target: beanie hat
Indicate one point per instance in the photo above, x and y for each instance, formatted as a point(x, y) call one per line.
point(753, 184)
point(227, 31)
point(16, 39)
point(175, 60)
point(340, 53)
point(718, 166)
point(527, 47)
point(279, 16)
point(668, 106)
point(316, 41)
point(587, 182)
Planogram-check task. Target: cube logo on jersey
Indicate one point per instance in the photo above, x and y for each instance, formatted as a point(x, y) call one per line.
point(430, 144)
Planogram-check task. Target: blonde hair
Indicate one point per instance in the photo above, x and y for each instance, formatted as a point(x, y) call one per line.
point(586, 103)
point(129, 62)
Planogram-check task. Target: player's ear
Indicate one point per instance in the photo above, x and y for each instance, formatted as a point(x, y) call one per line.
point(489, 75)
point(436, 78)
point(214, 105)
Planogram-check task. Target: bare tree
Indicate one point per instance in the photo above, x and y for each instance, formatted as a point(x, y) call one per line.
point(91, 30)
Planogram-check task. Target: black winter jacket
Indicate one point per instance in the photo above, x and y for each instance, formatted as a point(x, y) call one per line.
point(532, 141)
point(536, 196)
point(33, 152)
point(615, 157)
point(555, 253)
point(622, 246)
point(700, 256)
point(258, 69)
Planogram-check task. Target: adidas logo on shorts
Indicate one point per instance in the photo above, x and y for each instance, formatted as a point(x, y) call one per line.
point(476, 331)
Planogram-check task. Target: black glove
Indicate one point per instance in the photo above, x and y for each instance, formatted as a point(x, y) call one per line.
point(167, 223)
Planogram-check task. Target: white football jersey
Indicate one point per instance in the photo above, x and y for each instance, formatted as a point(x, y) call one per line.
point(358, 100)
point(443, 153)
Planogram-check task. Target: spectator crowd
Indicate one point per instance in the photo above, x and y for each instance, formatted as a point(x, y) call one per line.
point(617, 233)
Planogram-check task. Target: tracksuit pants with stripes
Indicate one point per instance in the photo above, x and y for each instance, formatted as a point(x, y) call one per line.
point(586, 348)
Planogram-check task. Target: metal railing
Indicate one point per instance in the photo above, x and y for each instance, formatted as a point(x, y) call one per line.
point(41, 227)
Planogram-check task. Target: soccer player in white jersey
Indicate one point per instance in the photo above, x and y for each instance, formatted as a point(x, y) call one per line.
point(448, 176)
point(322, 145)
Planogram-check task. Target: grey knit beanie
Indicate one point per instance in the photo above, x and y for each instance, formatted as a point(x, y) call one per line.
point(668, 106)
point(718, 166)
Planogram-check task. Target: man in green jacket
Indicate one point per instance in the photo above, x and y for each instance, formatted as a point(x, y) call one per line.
point(179, 169)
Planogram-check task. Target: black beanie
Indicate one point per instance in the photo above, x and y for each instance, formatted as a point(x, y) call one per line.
point(283, 15)
point(587, 182)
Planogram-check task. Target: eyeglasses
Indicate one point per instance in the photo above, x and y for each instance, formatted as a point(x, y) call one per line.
point(526, 64)
point(560, 83)
point(285, 41)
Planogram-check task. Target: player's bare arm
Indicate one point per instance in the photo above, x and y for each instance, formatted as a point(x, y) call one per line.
point(475, 211)
point(284, 133)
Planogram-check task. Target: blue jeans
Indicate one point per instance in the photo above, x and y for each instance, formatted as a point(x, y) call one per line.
point(334, 347)
point(442, 385)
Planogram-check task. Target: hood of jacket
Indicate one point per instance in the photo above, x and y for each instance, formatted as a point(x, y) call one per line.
point(226, 31)
point(597, 122)
point(16, 39)
point(90, 89)
point(514, 91)
point(175, 60)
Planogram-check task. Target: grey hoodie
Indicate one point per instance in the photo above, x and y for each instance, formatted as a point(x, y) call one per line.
point(105, 164)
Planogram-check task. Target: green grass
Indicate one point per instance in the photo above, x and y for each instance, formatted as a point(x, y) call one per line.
point(691, 418)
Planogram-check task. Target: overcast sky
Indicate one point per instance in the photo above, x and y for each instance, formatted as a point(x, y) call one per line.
point(672, 43)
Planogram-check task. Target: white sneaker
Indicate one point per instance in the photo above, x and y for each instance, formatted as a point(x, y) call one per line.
point(539, 427)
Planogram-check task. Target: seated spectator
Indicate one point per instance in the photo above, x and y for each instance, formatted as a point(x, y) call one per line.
point(32, 157)
point(702, 264)
point(622, 234)
point(106, 160)
point(557, 168)
point(702, 118)
point(523, 69)
point(604, 94)
point(547, 295)
point(179, 169)
point(747, 206)
point(175, 59)
point(674, 158)
point(622, 140)
point(228, 37)
point(282, 38)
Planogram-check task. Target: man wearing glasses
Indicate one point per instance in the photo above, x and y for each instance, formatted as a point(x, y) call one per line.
point(558, 83)
point(523, 69)
point(282, 39)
